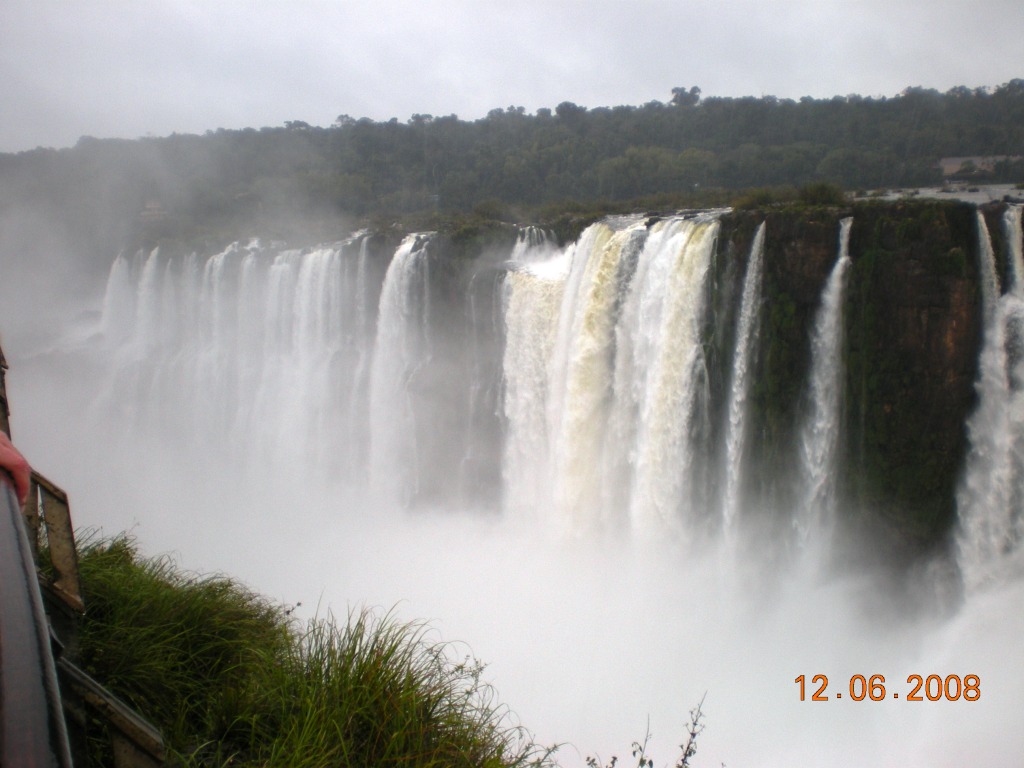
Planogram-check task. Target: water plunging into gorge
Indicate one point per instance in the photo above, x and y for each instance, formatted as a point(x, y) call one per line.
point(603, 346)
point(747, 334)
point(991, 496)
point(548, 452)
point(819, 437)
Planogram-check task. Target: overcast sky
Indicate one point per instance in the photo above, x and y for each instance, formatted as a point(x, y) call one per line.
point(130, 68)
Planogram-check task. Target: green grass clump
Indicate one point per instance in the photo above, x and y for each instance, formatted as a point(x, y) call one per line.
point(232, 679)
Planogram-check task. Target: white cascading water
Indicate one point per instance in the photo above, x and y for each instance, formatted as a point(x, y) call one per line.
point(580, 383)
point(533, 244)
point(532, 300)
point(746, 341)
point(248, 351)
point(604, 376)
point(234, 408)
point(401, 346)
point(661, 373)
point(989, 499)
point(819, 437)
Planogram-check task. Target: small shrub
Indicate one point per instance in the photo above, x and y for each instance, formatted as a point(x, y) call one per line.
point(822, 193)
point(694, 728)
point(764, 197)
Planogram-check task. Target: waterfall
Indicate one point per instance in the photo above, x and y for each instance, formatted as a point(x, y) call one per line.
point(118, 302)
point(479, 468)
point(606, 385)
point(1013, 301)
point(746, 340)
point(663, 374)
point(533, 244)
point(243, 403)
point(400, 349)
point(1014, 236)
point(989, 502)
point(532, 299)
point(819, 437)
point(581, 385)
point(244, 351)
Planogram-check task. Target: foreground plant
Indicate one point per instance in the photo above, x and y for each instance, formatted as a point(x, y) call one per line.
point(232, 679)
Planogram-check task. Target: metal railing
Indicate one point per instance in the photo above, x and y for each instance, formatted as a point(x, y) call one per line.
point(47, 524)
point(33, 733)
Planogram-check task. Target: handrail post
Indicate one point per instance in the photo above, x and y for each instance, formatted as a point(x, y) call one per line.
point(60, 540)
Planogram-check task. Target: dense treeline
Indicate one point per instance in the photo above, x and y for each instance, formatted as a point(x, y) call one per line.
point(510, 158)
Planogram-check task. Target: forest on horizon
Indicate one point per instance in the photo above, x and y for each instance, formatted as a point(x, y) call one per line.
point(690, 150)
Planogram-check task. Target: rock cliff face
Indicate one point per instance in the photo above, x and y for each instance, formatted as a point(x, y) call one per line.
point(912, 337)
point(912, 332)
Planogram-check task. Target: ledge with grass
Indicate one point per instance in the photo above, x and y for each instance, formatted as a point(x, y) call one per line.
point(233, 679)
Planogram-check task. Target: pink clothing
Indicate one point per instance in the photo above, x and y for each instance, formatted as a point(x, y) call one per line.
point(15, 464)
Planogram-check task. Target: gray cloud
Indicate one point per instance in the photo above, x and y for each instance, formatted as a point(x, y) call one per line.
point(119, 68)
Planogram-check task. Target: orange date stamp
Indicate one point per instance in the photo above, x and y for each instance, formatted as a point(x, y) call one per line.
point(873, 688)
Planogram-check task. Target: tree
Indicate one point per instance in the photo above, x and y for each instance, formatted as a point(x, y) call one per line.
point(568, 111)
point(686, 98)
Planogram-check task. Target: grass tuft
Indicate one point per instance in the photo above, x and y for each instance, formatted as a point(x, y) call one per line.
point(232, 679)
